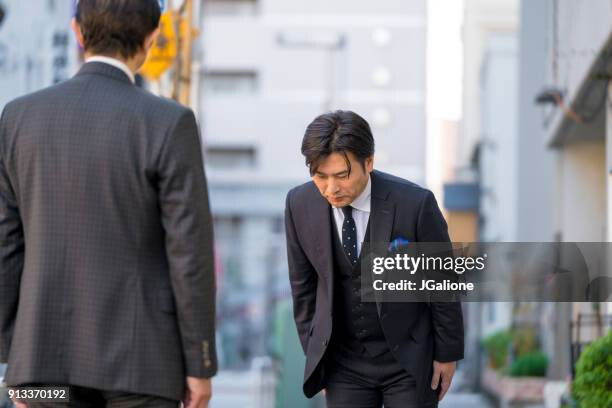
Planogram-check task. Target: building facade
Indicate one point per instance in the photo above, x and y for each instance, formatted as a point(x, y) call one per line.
point(39, 57)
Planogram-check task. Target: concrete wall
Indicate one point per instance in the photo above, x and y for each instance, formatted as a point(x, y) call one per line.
point(578, 31)
point(498, 158)
point(582, 192)
point(536, 160)
point(482, 17)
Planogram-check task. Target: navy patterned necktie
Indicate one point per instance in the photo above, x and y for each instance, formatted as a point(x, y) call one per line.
point(349, 235)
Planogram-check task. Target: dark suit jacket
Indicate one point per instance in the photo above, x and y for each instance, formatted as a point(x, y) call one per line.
point(106, 258)
point(417, 333)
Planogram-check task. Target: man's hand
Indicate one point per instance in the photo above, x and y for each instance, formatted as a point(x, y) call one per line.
point(199, 392)
point(19, 404)
point(444, 371)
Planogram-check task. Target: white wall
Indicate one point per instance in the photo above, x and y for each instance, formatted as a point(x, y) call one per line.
point(495, 316)
point(482, 17)
point(579, 30)
point(582, 192)
point(499, 161)
point(536, 160)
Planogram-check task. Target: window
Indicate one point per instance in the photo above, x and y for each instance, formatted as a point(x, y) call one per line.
point(231, 157)
point(230, 82)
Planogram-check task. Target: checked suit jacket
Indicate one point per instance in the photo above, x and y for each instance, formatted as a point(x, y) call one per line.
point(106, 251)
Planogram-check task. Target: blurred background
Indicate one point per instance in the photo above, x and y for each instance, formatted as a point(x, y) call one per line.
point(502, 107)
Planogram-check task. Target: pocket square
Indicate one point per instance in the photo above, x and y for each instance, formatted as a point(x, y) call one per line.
point(398, 243)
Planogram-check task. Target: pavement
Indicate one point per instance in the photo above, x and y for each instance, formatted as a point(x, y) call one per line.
point(464, 400)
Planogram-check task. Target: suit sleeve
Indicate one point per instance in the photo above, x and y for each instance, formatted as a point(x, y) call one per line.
point(12, 251)
point(303, 280)
point(447, 316)
point(187, 223)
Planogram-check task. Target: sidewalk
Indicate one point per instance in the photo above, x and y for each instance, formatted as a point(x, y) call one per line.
point(464, 400)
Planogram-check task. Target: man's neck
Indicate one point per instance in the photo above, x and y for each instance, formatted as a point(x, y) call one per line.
point(117, 63)
point(362, 201)
point(132, 64)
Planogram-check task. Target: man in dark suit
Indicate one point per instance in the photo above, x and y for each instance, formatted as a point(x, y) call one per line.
point(363, 354)
point(106, 253)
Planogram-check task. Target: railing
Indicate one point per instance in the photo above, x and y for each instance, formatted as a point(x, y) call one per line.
point(597, 325)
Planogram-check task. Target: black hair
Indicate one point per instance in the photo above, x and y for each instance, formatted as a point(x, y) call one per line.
point(337, 132)
point(117, 27)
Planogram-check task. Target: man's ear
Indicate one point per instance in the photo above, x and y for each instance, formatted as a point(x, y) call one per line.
point(369, 164)
point(77, 32)
point(150, 40)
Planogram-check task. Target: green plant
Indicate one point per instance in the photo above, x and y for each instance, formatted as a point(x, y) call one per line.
point(497, 346)
point(524, 341)
point(593, 383)
point(532, 364)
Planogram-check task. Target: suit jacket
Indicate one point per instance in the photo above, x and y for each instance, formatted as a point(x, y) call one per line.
point(417, 333)
point(106, 256)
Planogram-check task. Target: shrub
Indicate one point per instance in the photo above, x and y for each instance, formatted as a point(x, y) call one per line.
point(593, 381)
point(524, 341)
point(497, 346)
point(532, 364)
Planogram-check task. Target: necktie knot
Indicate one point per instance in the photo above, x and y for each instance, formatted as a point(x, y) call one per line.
point(348, 211)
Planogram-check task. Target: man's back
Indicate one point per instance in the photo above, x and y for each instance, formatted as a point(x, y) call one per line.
point(108, 184)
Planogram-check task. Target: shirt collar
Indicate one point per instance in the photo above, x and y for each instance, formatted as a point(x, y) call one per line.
point(363, 201)
point(115, 63)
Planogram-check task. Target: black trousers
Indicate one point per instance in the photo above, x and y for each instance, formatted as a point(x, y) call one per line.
point(356, 380)
point(82, 397)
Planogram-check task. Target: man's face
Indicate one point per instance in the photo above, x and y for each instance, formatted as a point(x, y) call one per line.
point(334, 182)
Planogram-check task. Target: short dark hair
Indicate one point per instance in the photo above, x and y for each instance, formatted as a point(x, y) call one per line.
point(337, 132)
point(117, 27)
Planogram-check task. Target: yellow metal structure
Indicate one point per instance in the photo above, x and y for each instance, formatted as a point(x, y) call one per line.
point(165, 50)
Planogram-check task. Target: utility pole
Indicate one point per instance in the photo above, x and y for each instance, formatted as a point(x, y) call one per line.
point(173, 51)
point(182, 75)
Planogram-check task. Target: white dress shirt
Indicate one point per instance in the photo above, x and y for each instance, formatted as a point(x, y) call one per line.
point(361, 214)
point(115, 63)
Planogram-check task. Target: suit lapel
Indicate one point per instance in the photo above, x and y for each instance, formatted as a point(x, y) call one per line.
point(381, 219)
point(382, 214)
point(320, 226)
point(382, 211)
